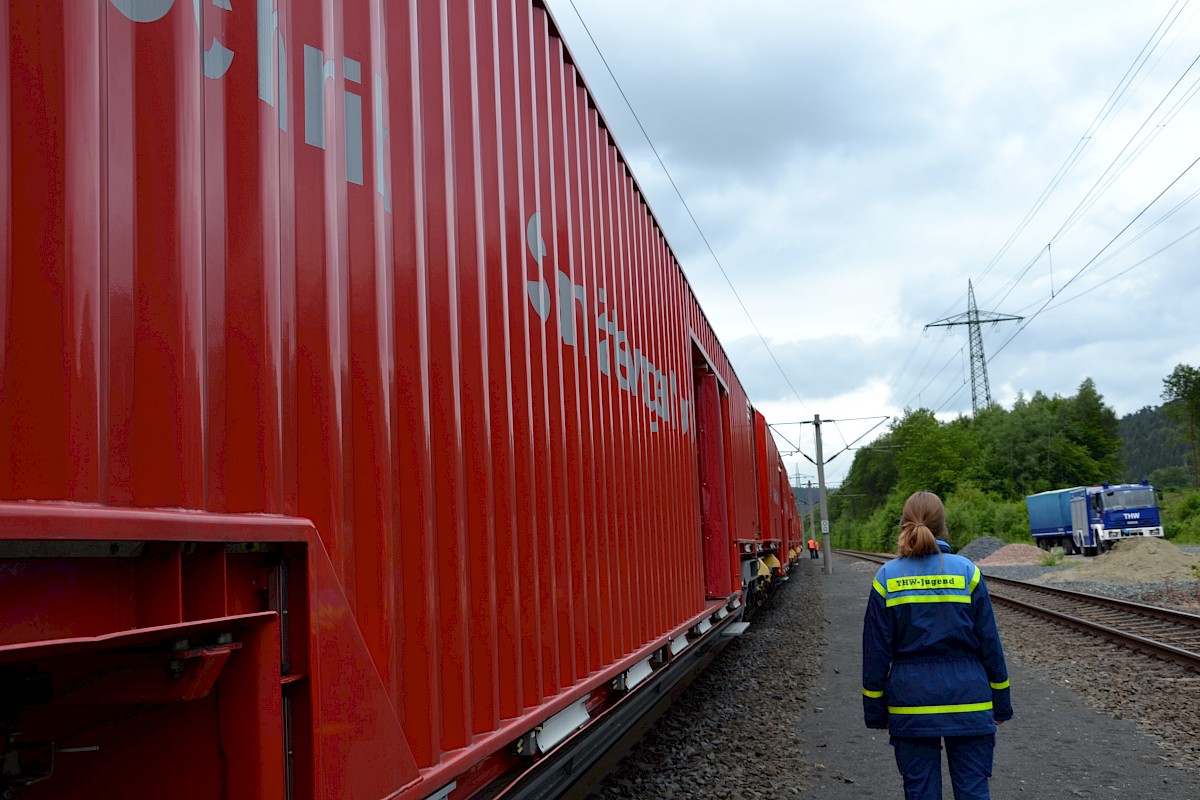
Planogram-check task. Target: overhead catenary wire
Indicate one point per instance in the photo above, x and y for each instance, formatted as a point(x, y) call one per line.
point(1091, 261)
point(686, 207)
point(915, 379)
point(1110, 104)
point(1117, 167)
point(850, 445)
point(1096, 260)
point(949, 361)
point(1119, 164)
point(1125, 157)
point(1131, 267)
point(1093, 194)
point(1142, 233)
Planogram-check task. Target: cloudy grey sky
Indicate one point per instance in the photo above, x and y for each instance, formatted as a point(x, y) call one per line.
point(854, 164)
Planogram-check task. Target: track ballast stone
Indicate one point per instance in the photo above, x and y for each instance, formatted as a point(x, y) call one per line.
point(733, 732)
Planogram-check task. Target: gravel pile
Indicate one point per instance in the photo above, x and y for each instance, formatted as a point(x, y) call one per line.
point(979, 549)
point(1140, 560)
point(731, 734)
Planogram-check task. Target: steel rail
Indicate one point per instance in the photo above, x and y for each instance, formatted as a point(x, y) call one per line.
point(1072, 609)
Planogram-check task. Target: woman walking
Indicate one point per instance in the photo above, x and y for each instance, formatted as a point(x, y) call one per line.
point(933, 666)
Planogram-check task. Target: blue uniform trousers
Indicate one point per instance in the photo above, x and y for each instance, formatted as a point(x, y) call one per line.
point(920, 762)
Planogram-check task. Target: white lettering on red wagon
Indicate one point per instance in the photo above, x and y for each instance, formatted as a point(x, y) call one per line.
point(634, 372)
point(271, 59)
point(273, 82)
point(616, 356)
point(217, 57)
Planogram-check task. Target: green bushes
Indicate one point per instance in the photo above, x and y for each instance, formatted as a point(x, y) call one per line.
point(970, 514)
point(1181, 516)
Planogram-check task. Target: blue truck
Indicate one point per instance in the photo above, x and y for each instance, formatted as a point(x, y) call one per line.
point(1088, 519)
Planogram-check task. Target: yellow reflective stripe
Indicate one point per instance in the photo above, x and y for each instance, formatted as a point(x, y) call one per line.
point(1001, 685)
point(962, 708)
point(975, 580)
point(928, 598)
point(879, 588)
point(910, 582)
point(869, 693)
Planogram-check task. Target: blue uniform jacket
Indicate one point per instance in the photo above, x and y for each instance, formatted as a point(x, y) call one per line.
point(932, 660)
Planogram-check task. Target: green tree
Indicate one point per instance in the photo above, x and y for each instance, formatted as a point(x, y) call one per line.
point(1170, 478)
point(1097, 430)
point(1049, 443)
point(873, 473)
point(982, 466)
point(1181, 391)
point(932, 456)
point(1007, 457)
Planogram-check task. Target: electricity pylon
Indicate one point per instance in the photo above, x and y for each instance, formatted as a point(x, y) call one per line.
point(981, 392)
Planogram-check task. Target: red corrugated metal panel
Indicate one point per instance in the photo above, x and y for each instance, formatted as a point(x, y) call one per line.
point(51, 308)
point(243, 294)
point(517, 154)
point(416, 550)
point(713, 492)
point(503, 551)
point(378, 266)
point(769, 469)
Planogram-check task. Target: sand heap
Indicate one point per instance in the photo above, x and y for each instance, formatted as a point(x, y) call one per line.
point(1135, 560)
point(1015, 554)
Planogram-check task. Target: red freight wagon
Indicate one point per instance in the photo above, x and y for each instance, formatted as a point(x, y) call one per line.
point(778, 535)
point(359, 434)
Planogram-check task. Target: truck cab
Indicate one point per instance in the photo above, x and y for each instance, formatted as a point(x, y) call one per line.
point(1102, 515)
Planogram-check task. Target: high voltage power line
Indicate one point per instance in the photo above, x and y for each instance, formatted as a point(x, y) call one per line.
point(1119, 164)
point(1093, 259)
point(1133, 148)
point(686, 207)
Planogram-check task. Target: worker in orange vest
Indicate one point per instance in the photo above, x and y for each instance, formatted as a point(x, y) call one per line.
point(812, 548)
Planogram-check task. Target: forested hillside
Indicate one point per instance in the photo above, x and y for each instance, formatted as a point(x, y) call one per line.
point(1152, 442)
point(984, 466)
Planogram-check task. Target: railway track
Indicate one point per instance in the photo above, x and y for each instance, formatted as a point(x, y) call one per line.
point(1162, 632)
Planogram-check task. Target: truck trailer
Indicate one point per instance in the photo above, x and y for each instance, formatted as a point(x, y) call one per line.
point(1088, 519)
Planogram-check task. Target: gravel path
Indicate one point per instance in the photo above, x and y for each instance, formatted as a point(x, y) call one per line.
point(751, 727)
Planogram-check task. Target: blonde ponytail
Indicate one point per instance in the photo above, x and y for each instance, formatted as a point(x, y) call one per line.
point(921, 523)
